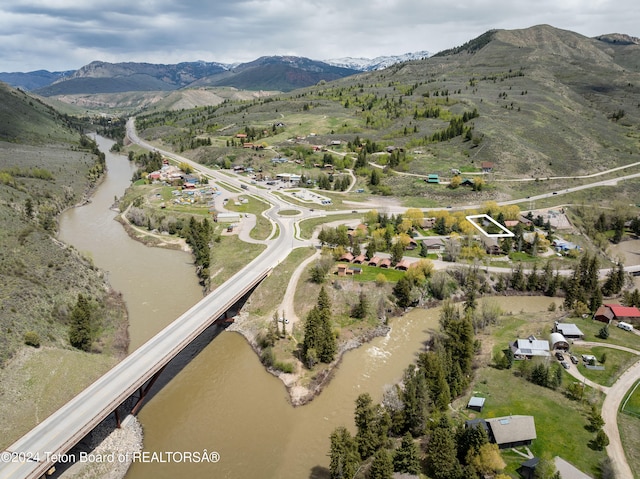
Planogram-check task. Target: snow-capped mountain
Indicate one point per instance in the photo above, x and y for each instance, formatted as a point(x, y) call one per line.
point(378, 63)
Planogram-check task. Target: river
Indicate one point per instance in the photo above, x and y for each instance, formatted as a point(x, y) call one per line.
point(222, 399)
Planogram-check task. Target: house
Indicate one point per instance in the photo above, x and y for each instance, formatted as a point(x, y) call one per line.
point(507, 431)
point(467, 182)
point(486, 166)
point(403, 265)
point(568, 330)
point(491, 245)
point(530, 347)
point(346, 270)
point(342, 269)
point(359, 259)
point(528, 468)
point(375, 261)
point(413, 244)
point(563, 246)
point(385, 263)
point(346, 257)
point(433, 245)
point(428, 223)
point(512, 431)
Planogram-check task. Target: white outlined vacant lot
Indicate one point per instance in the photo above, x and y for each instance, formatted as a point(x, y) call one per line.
point(473, 220)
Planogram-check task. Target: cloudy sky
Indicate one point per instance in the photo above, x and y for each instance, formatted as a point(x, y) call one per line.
point(59, 35)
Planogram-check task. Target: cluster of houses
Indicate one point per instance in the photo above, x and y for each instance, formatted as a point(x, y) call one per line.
point(171, 174)
point(558, 340)
point(355, 263)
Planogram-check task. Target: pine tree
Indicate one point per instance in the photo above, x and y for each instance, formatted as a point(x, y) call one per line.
point(407, 457)
point(344, 455)
point(382, 466)
point(372, 431)
point(80, 327)
point(441, 453)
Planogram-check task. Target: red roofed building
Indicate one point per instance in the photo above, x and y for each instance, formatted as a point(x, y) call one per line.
point(624, 313)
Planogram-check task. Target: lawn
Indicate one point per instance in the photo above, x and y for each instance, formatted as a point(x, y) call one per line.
point(560, 422)
point(229, 256)
point(616, 363)
point(256, 207)
point(307, 226)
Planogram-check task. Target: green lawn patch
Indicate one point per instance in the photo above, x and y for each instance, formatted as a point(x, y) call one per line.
point(560, 422)
point(288, 212)
point(256, 207)
point(631, 403)
point(616, 363)
point(307, 226)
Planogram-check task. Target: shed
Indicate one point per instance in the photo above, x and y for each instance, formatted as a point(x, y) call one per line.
point(568, 330)
point(476, 403)
point(603, 314)
point(375, 261)
point(528, 468)
point(558, 341)
point(385, 263)
point(433, 178)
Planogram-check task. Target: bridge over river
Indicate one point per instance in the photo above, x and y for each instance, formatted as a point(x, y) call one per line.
point(36, 451)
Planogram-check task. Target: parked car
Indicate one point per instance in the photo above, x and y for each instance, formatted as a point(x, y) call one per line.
point(559, 356)
point(564, 364)
point(574, 360)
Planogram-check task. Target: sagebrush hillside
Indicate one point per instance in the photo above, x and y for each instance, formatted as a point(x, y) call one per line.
point(536, 103)
point(45, 167)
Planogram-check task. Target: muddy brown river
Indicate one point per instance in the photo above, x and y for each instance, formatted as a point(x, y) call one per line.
point(217, 397)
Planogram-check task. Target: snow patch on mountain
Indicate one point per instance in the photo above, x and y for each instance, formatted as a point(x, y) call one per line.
point(377, 63)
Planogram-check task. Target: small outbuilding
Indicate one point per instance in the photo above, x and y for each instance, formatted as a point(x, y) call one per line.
point(568, 330)
point(476, 403)
point(558, 341)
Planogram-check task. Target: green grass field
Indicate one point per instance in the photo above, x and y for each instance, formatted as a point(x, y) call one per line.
point(560, 422)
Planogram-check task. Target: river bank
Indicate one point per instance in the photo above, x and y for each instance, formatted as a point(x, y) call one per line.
point(301, 394)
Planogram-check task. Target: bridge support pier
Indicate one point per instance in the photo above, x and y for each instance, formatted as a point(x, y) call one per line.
point(118, 422)
point(144, 391)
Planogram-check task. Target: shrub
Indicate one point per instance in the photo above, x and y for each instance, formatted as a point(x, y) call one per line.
point(31, 338)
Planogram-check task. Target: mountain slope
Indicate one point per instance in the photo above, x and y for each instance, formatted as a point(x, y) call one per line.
point(44, 168)
point(103, 77)
point(549, 102)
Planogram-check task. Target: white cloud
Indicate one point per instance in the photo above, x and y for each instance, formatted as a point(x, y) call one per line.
point(66, 34)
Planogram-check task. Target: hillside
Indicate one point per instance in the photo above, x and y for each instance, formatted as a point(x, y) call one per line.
point(44, 168)
point(547, 102)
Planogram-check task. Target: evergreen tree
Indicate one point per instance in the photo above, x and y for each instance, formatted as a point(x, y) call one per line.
point(414, 399)
point(319, 343)
point(366, 439)
point(80, 327)
point(469, 440)
point(344, 455)
point(442, 462)
point(402, 292)
point(361, 309)
point(382, 466)
point(407, 457)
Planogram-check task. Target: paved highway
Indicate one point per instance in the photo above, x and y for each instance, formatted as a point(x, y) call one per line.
point(63, 429)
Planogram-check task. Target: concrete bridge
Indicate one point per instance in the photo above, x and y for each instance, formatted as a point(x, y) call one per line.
point(35, 453)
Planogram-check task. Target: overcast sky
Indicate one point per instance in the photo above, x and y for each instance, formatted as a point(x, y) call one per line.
point(59, 35)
